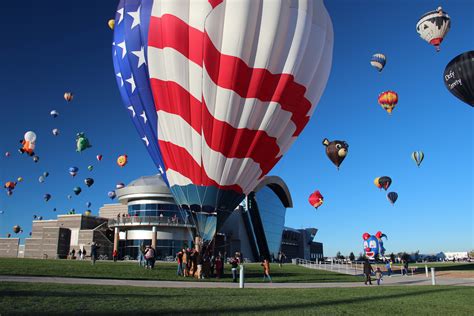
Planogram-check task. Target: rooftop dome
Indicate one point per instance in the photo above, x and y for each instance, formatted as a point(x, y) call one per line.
point(155, 180)
point(146, 187)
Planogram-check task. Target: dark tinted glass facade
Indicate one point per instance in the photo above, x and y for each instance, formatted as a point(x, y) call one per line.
point(167, 210)
point(165, 248)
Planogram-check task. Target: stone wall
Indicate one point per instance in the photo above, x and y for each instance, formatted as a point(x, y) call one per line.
point(9, 247)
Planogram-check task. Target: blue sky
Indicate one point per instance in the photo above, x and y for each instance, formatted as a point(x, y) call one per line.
point(66, 46)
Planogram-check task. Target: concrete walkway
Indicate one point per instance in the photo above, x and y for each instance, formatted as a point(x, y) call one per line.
point(391, 281)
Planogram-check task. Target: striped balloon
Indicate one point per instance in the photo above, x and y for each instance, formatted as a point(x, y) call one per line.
point(234, 83)
point(417, 156)
point(378, 61)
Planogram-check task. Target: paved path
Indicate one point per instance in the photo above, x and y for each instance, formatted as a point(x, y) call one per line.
point(393, 281)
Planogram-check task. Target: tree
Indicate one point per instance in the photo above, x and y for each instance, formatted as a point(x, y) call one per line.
point(351, 256)
point(361, 257)
point(338, 255)
point(392, 257)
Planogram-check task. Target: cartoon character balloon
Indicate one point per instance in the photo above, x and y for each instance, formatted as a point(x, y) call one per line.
point(373, 245)
point(82, 142)
point(253, 96)
point(433, 27)
point(28, 143)
point(378, 61)
point(459, 77)
point(336, 151)
point(388, 100)
point(316, 199)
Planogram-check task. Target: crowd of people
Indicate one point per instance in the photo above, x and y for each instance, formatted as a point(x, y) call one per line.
point(82, 253)
point(369, 270)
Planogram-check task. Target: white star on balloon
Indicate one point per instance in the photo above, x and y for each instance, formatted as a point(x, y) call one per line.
point(131, 82)
point(121, 79)
point(145, 139)
point(141, 56)
point(132, 109)
point(136, 18)
point(115, 49)
point(161, 169)
point(121, 15)
point(123, 47)
point(144, 116)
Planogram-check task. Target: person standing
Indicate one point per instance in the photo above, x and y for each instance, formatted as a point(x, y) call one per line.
point(281, 258)
point(378, 275)
point(149, 257)
point(79, 254)
point(179, 259)
point(388, 266)
point(141, 257)
point(405, 267)
point(115, 255)
point(266, 270)
point(83, 253)
point(93, 252)
point(367, 272)
point(186, 262)
point(234, 264)
point(73, 253)
point(219, 265)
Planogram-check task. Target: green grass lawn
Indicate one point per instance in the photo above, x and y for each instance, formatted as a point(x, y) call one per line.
point(162, 271)
point(69, 299)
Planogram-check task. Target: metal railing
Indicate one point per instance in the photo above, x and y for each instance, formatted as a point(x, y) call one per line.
point(353, 268)
point(149, 221)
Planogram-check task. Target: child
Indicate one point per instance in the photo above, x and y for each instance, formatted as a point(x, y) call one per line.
point(378, 275)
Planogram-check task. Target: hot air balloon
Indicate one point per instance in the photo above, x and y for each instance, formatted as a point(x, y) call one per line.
point(433, 27)
point(9, 185)
point(82, 142)
point(9, 192)
point(99, 157)
point(88, 204)
point(77, 190)
point(111, 195)
point(16, 229)
point(383, 182)
point(122, 160)
point(36, 158)
point(9, 235)
point(19, 179)
point(73, 171)
point(54, 210)
point(45, 174)
point(392, 197)
point(54, 113)
point(7, 154)
point(89, 181)
point(41, 179)
point(388, 100)
point(111, 24)
point(69, 196)
point(373, 245)
point(55, 131)
point(72, 211)
point(87, 213)
point(316, 199)
point(336, 151)
point(68, 96)
point(459, 77)
point(253, 95)
point(417, 156)
point(47, 197)
point(28, 143)
point(1, 212)
point(378, 61)
point(119, 185)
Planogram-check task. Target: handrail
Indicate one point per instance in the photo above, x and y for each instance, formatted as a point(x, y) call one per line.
point(348, 268)
point(149, 220)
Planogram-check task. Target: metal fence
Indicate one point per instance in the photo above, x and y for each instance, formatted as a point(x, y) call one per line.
point(149, 220)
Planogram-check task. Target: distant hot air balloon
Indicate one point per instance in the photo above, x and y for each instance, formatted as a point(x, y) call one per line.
point(9, 192)
point(54, 113)
point(54, 210)
point(378, 61)
point(336, 151)
point(1, 212)
point(221, 70)
point(41, 179)
point(19, 179)
point(47, 197)
point(28, 143)
point(99, 157)
point(392, 197)
point(9, 235)
point(36, 158)
point(111, 24)
point(45, 174)
point(69, 196)
point(111, 195)
point(16, 229)
point(316, 199)
point(417, 156)
point(7, 154)
point(87, 213)
point(89, 182)
point(433, 27)
point(388, 100)
point(77, 190)
point(82, 142)
point(383, 182)
point(88, 204)
point(9, 185)
point(68, 96)
point(55, 131)
point(459, 77)
point(90, 167)
point(73, 171)
point(119, 185)
point(72, 211)
point(122, 160)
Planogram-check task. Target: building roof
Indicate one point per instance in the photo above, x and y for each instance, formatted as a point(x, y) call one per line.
point(144, 188)
point(277, 185)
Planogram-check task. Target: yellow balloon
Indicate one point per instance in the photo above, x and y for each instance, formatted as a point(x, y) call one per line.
point(87, 213)
point(19, 179)
point(111, 24)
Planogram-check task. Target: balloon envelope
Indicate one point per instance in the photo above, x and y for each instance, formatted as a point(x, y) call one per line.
point(388, 100)
point(47, 197)
point(54, 113)
point(392, 197)
point(378, 61)
point(111, 195)
point(16, 229)
point(89, 181)
point(459, 77)
point(433, 27)
point(283, 58)
point(77, 190)
point(30, 136)
point(418, 157)
point(99, 157)
point(316, 199)
point(68, 96)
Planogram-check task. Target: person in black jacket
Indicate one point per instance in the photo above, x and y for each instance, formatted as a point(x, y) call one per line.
point(367, 271)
